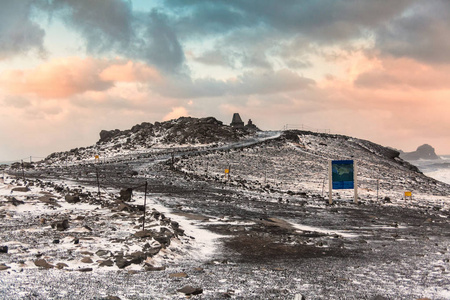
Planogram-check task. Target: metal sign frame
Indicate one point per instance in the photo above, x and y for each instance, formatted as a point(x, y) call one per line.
point(330, 178)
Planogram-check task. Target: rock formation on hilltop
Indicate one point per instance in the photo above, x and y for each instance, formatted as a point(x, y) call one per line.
point(423, 152)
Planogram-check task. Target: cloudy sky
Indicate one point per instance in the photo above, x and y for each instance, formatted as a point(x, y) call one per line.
point(377, 69)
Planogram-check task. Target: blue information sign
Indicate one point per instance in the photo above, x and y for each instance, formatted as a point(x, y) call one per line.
point(342, 173)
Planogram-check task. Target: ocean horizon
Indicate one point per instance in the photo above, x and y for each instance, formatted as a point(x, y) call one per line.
point(438, 169)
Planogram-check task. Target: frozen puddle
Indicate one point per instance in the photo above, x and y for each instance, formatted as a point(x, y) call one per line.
point(323, 230)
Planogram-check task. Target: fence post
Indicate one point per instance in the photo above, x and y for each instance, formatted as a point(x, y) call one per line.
point(145, 205)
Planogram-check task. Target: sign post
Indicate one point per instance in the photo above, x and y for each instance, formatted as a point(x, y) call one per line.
point(342, 175)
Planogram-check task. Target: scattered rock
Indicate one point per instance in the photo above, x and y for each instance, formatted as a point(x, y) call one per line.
point(43, 264)
point(178, 275)
point(3, 249)
point(189, 290)
point(151, 268)
point(72, 199)
point(15, 202)
point(86, 260)
point(299, 297)
point(144, 234)
point(21, 189)
point(105, 263)
point(4, 267)
point(85, 270)
point(103, 253)
point(61, 225)
point(61, 265)
point(125, 194)
point(122, 262)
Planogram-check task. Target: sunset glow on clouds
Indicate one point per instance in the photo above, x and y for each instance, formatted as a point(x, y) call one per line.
point(372, 69)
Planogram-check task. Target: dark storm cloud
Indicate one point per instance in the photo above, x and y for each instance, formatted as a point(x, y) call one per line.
point(422, 33)
point(322, 20)
point(111, 26)
point(18, 32)
point(249, 83)
point(105, 24)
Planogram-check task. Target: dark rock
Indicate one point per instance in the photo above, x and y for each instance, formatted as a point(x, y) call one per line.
point(86, 260)
point(76, 241)
point(4, 267)
point(85, 270)
point(3, 249)
point(105, 263)
point(61, 225)
point(151, 268)
point(189, 290)
point(56, 241)
point(43, 264)
point(103, 253)
point(178, 275)
point(125, 194)
point(144, 234)
point(15, 202)
point(61, 265)
point(122, 262)
point(72, 199)
point(20, 189)
point(111, 298)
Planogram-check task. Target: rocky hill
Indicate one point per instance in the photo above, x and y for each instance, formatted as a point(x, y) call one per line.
point(145, 137)
point(423, 152)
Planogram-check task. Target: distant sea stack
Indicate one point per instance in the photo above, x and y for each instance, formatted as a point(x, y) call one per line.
point(423, 152)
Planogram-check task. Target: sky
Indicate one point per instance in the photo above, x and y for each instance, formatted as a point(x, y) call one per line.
point(376, 70)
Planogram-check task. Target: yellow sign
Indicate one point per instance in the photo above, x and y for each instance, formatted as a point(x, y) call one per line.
point(97, 157)
point(227, 171)
point(408, 194)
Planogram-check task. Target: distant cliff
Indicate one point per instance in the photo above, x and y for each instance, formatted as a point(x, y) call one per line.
point(423, 152)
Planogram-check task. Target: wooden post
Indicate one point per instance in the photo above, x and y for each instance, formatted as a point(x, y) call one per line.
point(330, 183)
point(355, 180)
point(145, 205)
point(378, 187)
point(23, 171)
point(98, 185)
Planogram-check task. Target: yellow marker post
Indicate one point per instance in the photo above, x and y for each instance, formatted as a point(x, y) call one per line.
point(227, 171)
point(408, 194)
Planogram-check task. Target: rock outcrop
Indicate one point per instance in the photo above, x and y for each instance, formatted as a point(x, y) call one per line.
point(423, 152)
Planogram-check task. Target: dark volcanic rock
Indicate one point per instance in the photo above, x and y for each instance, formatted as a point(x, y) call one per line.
point(20, 189)
point(189, 290)
point(72, 199)
point(61, 225)
point(43, 264)
point(125, 194)
point(423, 152)
point(3, 249)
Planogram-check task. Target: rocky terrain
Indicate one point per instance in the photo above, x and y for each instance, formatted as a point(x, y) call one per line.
point(264, 230)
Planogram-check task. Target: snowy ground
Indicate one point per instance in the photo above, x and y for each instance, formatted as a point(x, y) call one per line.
point(268, 233)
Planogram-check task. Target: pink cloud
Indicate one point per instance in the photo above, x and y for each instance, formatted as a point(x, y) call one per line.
point(62, 78)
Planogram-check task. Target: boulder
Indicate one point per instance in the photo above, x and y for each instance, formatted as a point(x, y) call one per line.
point(122, 262)
point(3, 249)
point(189, 290)
point(20, 189)
point(61, 225)
point(72, 198)
point(43, 264)
point(15, 202)
point(105, 263)
point(4, 267)
point(125, 194)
